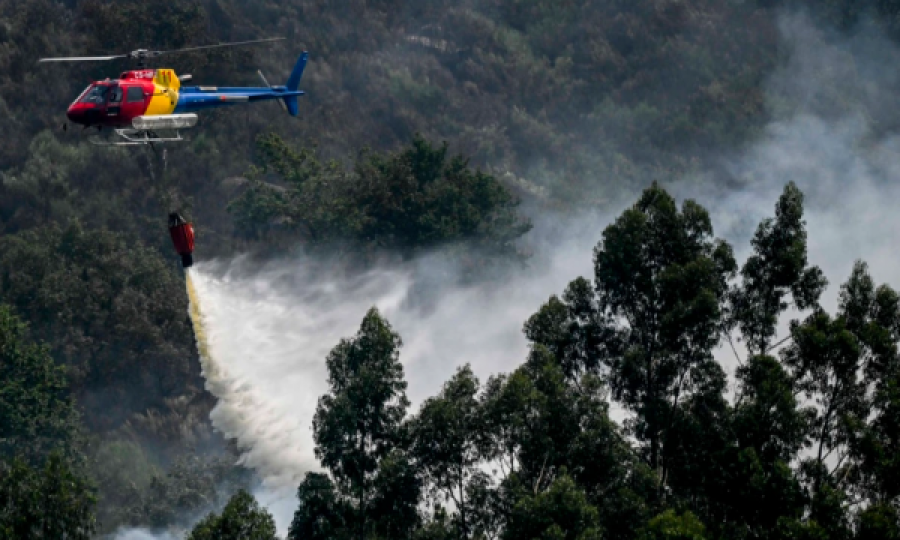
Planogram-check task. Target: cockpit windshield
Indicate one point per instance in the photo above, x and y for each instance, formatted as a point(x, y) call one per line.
point(83, 93)
point(97, 94)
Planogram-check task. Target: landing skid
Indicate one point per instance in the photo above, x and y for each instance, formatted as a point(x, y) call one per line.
point(134, 137)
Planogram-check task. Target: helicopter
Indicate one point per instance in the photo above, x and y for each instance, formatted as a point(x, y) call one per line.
point(142, 102)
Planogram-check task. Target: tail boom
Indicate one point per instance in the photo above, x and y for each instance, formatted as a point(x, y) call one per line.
point(196, 98)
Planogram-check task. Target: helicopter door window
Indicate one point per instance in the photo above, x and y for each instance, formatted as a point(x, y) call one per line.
point(135, 94)
point(115, 94)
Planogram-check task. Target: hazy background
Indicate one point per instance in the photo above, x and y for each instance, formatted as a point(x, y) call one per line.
point(271, 327)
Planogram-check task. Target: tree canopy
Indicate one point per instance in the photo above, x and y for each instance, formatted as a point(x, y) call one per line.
point(444, 125)
point(535, 454)
point(44, 492)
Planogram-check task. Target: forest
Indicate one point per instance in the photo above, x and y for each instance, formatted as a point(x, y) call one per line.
point(452, 125)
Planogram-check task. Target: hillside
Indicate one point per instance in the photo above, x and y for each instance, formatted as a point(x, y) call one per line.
point(543, 105)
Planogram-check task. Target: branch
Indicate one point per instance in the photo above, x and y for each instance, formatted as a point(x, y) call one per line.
point(502, 466)
point(540, 477)
point(734, 350)
point(777, 344)
point(840, 462)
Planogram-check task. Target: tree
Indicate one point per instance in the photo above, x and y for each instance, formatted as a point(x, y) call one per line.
point(241, 519)
point(575, 330)
point(193, 484)
point(415, 198)
point(322, 513)
point(671, 526)
point(447, 435)
point(539, 428)
point(43, 491)
point(661, 274)
point(560, 513)
point(877, 471)
point(36, 411)
point(531, 421)
point(396, 491)
point(843, 363)
point(112, 311)
point(734, 462)
point(878, 522)
point(769, 429)
point(49, 501)
point(778, 266)
point(873, 444)
point(437, 527)
point(357, 426)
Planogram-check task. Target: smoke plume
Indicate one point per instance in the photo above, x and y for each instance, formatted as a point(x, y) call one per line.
point(270, 328)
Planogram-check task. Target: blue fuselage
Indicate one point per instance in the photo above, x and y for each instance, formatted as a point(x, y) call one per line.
point(199, 98)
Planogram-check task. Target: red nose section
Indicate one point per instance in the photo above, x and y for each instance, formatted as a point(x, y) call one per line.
point(75, 116)
point(79, 113)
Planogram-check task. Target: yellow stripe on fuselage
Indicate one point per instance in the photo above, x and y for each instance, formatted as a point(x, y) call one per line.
point(165, 93)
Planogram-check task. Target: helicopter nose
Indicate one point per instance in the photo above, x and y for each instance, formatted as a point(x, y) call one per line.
point(76, 115)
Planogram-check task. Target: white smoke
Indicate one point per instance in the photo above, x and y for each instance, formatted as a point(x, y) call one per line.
point(144, 534)
point(271, 328)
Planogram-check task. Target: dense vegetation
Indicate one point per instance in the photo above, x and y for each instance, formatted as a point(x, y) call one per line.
point(404, 202)
point(805, 450)
point(561, 104)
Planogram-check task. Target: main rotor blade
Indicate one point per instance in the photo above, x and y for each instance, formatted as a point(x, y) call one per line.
point(81, 58)
point(141, 54)
point(232, 44)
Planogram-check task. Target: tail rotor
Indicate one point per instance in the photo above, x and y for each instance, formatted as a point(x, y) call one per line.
point(266, 82)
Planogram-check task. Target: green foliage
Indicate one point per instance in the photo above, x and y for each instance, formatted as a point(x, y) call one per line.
point(192, 484)
point(880, 522)
point(769, 429)
point(52, 501)
point(438, 527)
point(873, 444)
point(576, 101)
point(322, 514)
point(241, 519)
point(671, 526)
point(661, 272)
point(111, 310)
point(767, 416)
point(574, 330)
point(847, 363)
point(36, 412)
point(447, 437)
point(43, 491)
point(539, 428)
point(359, 438)
point(777, 266)
point(561, 468)
point(358, 423)
point(122, 25)
point(560, 513)
point(407, 200)
point(124, 473)
point(396, 492)
point(729, 463)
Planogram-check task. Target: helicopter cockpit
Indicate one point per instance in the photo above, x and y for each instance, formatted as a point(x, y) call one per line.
point(95, 94)
point(99, 100)
point(98, 94)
